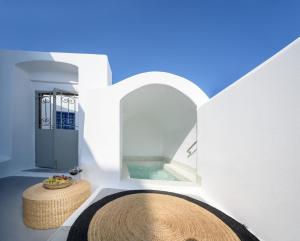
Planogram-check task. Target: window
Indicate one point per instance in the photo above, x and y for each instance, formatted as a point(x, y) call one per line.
point(65, 120)
point(61, 107)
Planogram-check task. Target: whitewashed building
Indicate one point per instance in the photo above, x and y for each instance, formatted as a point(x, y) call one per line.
point(239, 150)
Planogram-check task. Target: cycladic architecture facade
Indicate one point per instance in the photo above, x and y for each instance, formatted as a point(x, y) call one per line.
point(22, 75)
point(239, 150)
point(248, 147)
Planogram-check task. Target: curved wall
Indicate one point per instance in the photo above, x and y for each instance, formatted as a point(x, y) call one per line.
point(46, 71)
point(156, 120)
point(31, 76)
point(102, 152)
point(23, 72)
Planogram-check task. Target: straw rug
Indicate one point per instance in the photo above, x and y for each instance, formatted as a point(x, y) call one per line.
point(155, 216)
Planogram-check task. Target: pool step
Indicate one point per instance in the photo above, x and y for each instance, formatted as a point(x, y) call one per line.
point(182, 170)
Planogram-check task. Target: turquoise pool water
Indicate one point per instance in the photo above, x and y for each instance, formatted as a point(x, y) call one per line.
point(152, 171)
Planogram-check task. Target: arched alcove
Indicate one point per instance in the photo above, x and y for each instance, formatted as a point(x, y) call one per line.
point(158, 124)
point(50, 71)
point(40, 85)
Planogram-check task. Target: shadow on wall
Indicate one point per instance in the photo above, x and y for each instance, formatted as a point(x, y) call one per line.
point(156, 120)
point(145, 210)
point(21, 74)
point(92, 171)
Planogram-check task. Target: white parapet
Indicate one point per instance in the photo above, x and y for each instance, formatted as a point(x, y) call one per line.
point(248, 147)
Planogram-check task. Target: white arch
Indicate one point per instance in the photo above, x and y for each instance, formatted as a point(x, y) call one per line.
point(181, 84)
point(158, 116)
point(102, 116)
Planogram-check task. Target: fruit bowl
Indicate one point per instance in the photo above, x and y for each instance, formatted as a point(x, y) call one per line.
point(57, 182)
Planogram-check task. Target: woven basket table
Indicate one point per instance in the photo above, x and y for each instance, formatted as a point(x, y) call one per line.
point(44, 208)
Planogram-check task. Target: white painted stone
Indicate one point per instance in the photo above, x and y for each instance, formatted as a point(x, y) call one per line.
point(248, 148)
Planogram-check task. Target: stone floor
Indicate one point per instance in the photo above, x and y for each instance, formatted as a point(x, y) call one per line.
point(12, 227)
point(62, 233)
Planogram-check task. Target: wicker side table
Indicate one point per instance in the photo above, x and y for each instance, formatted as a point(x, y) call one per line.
point(44, 208)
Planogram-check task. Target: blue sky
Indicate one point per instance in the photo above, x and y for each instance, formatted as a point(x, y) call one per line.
point(212, 43)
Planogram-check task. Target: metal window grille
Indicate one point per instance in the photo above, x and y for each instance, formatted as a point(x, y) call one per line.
point(57, 110)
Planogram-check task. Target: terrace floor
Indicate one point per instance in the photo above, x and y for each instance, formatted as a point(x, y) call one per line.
point(11, 221)
point(12, 227)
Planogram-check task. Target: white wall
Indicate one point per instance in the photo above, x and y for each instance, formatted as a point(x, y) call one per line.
point(102, 130)
point(22, 119)
point(156, 120)
point(248, 147)
point(5, 114)
point(181, 154)
point(23, 72)
point(99, 107)
point(50, 71)
point(142, 138)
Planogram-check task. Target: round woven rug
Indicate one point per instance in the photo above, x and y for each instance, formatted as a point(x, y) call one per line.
point(155, 216)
